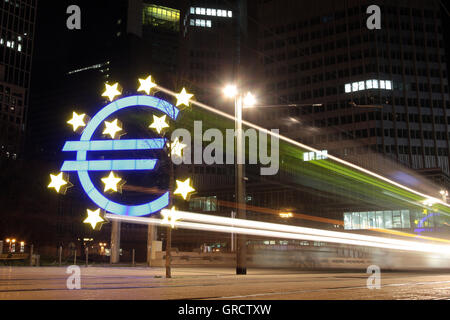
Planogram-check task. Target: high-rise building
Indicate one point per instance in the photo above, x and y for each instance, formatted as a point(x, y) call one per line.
point(364, 92)
point(17, 20)
point(210, 47)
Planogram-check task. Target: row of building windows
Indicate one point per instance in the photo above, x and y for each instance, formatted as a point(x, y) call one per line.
point(376, 132)
point(211, 12)
point(390, 149)
point(368, 84)
point(361, 11)
point(11, 44)
point(200, 23)
point(362, 117)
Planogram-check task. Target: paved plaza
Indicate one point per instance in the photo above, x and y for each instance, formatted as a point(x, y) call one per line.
point(124, 283)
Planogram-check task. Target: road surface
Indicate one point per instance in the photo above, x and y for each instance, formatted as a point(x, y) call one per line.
point(50, 283)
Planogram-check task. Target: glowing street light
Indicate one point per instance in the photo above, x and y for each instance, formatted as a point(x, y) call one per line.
point(11, 242)
point(286, 215)
point(249, 100)
point(230, 91)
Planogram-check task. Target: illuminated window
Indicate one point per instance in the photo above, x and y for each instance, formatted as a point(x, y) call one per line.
point(159, 16)
point(192, 22)
point(348, 221)
point(369, 84)
point(375, 84)
point(388, 85)
point(230, 14)
point(197, 22)
point(203, 11)
point(361, 85)
point(192, 10)
point(355, 86)
point(355, 221)
point(208, 23)
point(208, 12)
point(213, 12)
point(197, 10)
point(380, 219)
point(382, 84)
point(348, 88)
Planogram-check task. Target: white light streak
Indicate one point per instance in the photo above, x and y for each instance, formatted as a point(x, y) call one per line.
point(258, 228)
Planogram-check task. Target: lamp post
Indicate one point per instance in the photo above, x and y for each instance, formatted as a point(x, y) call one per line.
point(240, 101)
point(8, 241)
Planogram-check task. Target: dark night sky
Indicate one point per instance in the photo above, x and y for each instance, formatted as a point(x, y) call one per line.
point(56, 46)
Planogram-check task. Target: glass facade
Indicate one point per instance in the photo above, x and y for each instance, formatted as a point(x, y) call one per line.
point(395, 219)
point(205, 204)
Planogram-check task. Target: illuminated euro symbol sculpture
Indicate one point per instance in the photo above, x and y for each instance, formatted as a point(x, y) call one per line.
point(83, 166)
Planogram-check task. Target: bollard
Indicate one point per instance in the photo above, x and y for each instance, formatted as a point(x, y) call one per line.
point(60, 255)
point(75, 257)
point(132, 258)
point(87, 256)
point(31, 255)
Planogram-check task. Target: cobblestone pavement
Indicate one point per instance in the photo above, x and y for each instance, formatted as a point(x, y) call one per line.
point(106, 283)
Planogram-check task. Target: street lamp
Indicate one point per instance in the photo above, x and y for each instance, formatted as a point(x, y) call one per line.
point(11, 242)
point(240, 101)
point(8, 241)
point(286, 215)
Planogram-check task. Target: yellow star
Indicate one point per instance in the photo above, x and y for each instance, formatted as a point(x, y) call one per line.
point(94, 218)
point(77, 121)
point(111, 182)
point(183, 98)
point(170, 217)
point(112, 128)
point(177, 147)
point(146, 85)
point(159, 124)
point(57, 182)
point(112, 91)
point(184, 188)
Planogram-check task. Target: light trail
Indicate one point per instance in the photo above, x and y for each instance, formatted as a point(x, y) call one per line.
point(301, 145)
point(190, 216)
point(257, 228)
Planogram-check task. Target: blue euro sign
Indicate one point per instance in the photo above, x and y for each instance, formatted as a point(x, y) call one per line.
point(82, 166)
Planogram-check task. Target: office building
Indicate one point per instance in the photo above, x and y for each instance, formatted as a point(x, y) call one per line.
point(17, 20)
point(366, 91)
